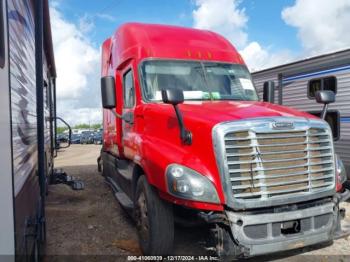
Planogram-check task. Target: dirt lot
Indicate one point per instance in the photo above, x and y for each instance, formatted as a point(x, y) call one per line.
point(91, 222)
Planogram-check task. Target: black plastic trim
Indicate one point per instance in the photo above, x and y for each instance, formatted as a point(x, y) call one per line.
point(336, 134)
point(39, 32)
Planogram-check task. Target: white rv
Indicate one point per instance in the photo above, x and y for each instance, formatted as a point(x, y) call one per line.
point(27, 124)
point(296, 84)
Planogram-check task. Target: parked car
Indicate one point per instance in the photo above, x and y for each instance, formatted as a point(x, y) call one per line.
point(87, 137)
point(76, 139)
point(97, 138)
point(62, 138)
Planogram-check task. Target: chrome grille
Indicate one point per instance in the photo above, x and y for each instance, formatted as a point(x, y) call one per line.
point(264, 164)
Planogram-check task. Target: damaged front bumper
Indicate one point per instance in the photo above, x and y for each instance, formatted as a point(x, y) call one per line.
point(263, 233)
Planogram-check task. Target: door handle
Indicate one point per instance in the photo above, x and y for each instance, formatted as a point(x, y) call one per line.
point(128, 117)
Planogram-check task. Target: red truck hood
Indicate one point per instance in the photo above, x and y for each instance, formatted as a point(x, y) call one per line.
point(200, 117)
point(161, 134)
point(221, 111)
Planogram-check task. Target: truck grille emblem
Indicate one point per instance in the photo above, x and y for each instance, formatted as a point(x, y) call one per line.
point(283, 125)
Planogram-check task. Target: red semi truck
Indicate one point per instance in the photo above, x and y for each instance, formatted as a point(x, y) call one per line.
point(186, 138)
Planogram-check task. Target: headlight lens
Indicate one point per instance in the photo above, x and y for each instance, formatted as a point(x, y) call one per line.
point(186, 183)
point(341, 172)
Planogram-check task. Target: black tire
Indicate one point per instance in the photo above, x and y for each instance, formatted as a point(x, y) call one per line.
point(154, 220)
point(103, 163)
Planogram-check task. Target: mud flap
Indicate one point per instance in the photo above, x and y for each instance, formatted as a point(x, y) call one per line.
point(223, 244)
point(343, 229)
point(99, 164)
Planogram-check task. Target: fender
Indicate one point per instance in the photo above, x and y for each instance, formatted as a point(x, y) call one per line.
point(156, 157)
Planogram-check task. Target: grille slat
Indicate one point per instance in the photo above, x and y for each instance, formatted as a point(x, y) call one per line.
point(280, 175)
point(301, 181)
point(277, 168)
point(278, 160)
point(260, 193)
point(280, 144)
point(278, 152)
point(273, 163)
point(269, 137)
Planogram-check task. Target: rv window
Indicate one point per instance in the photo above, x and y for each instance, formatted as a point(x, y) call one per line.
point(326, 83)
point(2, 37)
point(129, 93)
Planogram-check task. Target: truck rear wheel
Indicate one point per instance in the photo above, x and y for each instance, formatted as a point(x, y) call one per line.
point(154, 220)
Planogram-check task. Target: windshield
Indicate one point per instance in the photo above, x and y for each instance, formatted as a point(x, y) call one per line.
point(197, 80)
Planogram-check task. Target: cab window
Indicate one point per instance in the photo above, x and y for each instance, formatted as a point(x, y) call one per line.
point(128, 90)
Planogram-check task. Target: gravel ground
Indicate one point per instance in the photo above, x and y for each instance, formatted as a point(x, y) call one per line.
point(85, 225)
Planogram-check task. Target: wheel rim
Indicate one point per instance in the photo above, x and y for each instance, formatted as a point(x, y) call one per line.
point(142, 217)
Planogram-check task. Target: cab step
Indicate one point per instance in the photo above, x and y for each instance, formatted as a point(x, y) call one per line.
point(121, 197)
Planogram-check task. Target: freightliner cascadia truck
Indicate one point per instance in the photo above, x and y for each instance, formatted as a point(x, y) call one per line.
point(187, 139)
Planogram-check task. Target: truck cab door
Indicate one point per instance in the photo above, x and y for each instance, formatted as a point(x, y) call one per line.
point(125, 165)
point(128, 114)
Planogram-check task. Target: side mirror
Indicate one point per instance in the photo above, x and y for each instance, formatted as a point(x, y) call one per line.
point(175, 97)
point(108, 92)
point(172, 96)
point(269, 92)
point(325, 97)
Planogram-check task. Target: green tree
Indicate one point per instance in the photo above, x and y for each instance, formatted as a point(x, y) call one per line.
point(60, 129)
point(96, 126)
point(82, 126)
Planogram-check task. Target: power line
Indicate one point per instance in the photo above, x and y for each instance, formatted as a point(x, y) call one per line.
point(108, 6)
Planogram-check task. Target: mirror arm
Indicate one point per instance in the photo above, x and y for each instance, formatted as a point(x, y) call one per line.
point(185, 135)
point(116, 114)
point(324, 111)
point(121, 117)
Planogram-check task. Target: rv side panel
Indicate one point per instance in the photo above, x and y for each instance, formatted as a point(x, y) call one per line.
point(259, 84)
point(295, 94)
point(296, 77)
point(24, 125)
point(7, 241)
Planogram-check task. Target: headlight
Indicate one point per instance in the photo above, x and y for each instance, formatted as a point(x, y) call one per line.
point(186, 183)
point(340, 170)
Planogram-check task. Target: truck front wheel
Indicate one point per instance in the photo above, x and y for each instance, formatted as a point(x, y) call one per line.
point(154, 220)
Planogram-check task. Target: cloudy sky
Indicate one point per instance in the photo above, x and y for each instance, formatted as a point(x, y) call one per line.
point(265, 35)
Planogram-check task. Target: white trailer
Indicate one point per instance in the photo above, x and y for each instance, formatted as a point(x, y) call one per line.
point(27, 124)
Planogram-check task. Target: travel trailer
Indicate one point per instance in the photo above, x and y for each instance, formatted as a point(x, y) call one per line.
point(298, 82)
point(27, 126)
